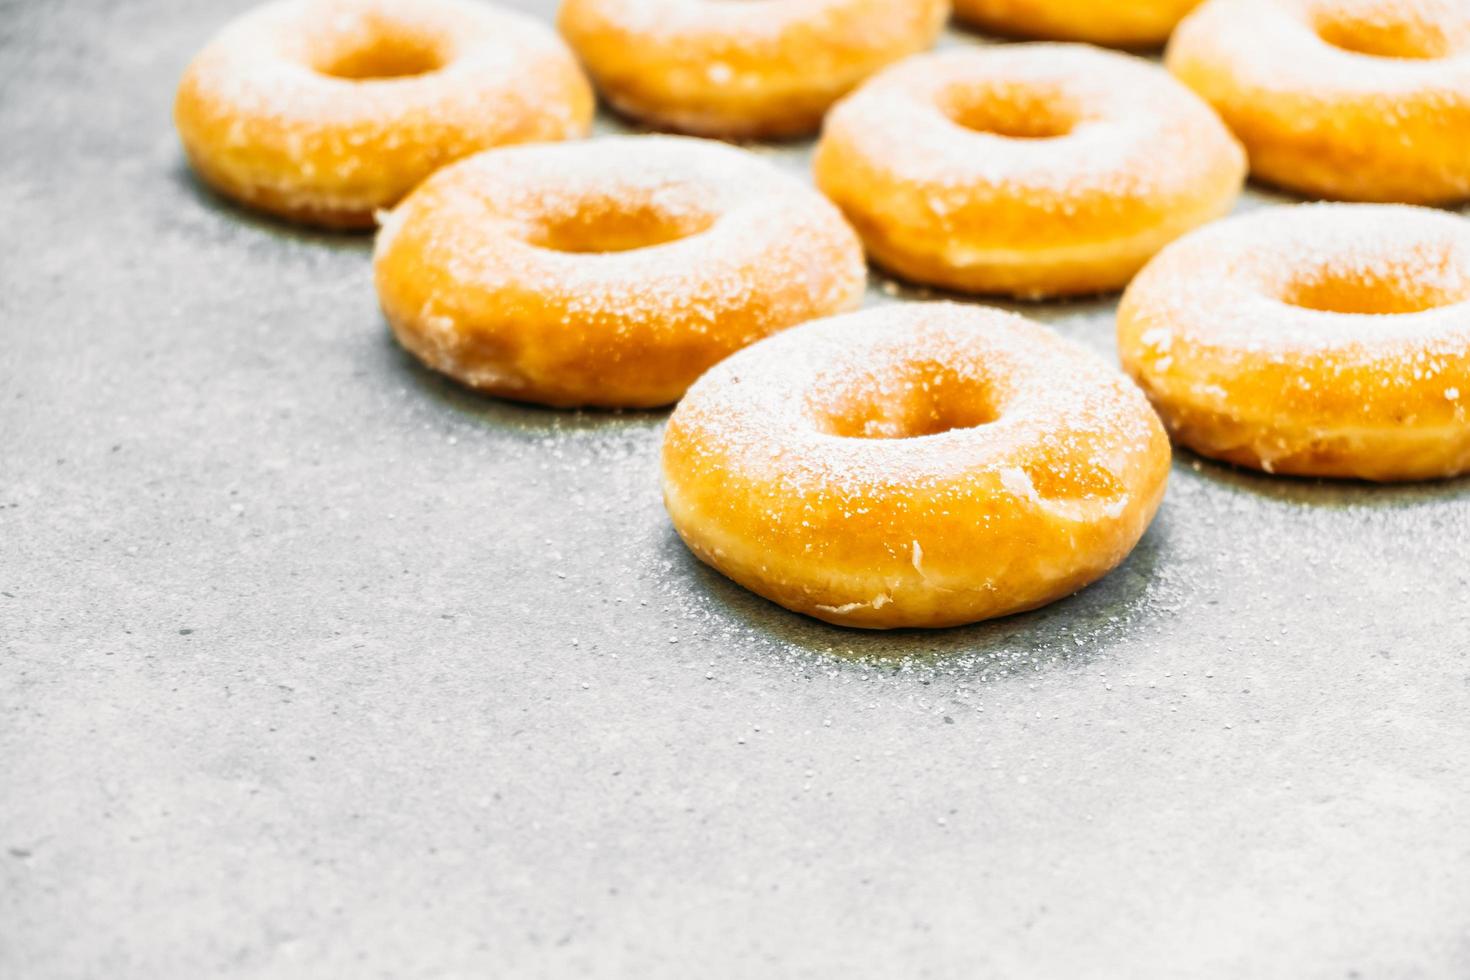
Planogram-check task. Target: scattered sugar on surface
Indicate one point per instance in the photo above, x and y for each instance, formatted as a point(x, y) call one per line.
point(979, 663)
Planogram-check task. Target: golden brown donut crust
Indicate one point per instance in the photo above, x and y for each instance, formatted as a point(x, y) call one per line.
point(608, 272)
point(1358, 100)
point(1028, 170)
point(913, 465)
point(324, 111)
point(1319, 340)
point(735, 69)
point(1115, 23)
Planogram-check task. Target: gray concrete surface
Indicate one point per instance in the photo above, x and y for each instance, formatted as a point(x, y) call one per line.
point(316, 666)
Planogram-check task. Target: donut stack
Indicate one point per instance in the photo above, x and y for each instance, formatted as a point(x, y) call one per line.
point(925, 463)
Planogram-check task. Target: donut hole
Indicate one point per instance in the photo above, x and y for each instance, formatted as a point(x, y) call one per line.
point(923, 399)
point(617, 226)
point(379, 53)
point(1379, 32)
point(1018, 112)
point(1346, 291)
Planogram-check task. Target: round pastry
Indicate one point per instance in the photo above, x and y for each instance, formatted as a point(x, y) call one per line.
point(608, 272)
point(1321, 340)
point(1118, 23)
point(1362, 100)
point(1031, 170)
point(322, 111)
point(915, 465)
point(717, 68)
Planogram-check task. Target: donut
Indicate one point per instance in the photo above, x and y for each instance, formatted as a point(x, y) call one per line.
point(323, 111)
point(608, 272)
point(1116, 23)
point(1030, 170)
point(924, 464)
point(1357, 100)
point(718, 68)
point(1319, 340)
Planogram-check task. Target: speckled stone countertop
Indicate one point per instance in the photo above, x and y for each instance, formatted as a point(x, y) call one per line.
point(313, 664)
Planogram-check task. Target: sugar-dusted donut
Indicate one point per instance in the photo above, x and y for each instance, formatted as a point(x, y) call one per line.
point(323, 111)
point(1117, 23)
point(608, 272)
point(1031, 169)
point(722, 68)
point(1323, 340)
point(913, 465)
point(1359, 100)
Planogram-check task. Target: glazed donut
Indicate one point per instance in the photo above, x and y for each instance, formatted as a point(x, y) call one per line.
point(717, 68)
point(1321, 340)
point(1031, 170)
point(913, 465)
point(608, 272)
point(1117, 23)
point(1360, 100)
point(323, 111)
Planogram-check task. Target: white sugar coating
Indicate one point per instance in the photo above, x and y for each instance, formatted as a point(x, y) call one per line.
point(1287, 45)
point(265, 101)
point(559, 271)
point(754, 28)
point(273, 62)
point(750, 229)
point(913, 465)
point(1357, 100)
point(1058, 416)
point(767, 69)
point(1239, 283)
point(1327, 339)
point(1127, 129)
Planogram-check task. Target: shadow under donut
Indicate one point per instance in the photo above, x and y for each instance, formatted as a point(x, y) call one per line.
point(1323, 492)
point(520, 418)
point(1069, 631)
point(236, 214)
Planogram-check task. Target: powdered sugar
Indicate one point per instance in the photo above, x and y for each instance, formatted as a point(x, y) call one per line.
point(1027, 170)
point(283, 103)
point(759, 29)
point(621, 256)
point(1365, 100)
point(1249, 281)
point(741, 69)
point(1323, 50)
point(913, 465)
point(1126, 129)
point(1312, 339)
point(1060, 414)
